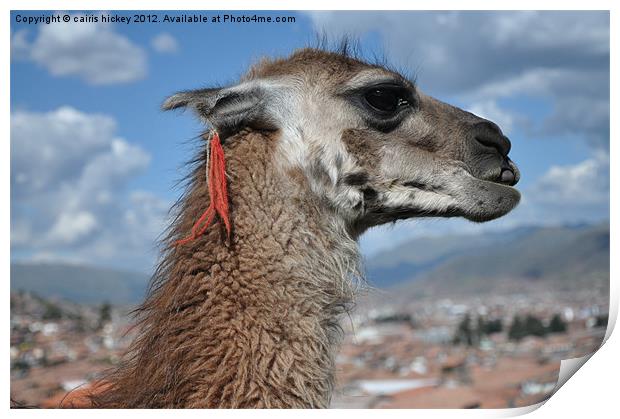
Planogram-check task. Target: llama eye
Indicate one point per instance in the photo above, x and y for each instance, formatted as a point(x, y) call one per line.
point(387, 99)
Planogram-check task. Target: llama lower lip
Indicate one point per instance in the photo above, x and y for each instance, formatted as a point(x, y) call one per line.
point(505, 177)
point(508, 176)
point(496, 181)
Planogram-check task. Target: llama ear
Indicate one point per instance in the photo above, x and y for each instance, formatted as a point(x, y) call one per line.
point(227, 109)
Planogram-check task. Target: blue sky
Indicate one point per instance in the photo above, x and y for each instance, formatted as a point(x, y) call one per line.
point(94, 160)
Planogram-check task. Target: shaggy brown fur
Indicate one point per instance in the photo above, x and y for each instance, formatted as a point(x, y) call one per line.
point(253, 322)
point(225, 328)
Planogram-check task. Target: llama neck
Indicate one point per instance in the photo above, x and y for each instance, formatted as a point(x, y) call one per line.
point(252, 322)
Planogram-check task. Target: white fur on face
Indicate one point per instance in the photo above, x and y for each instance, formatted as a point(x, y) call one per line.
point(312, 123)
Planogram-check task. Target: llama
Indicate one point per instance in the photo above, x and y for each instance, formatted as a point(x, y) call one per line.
point(319, 147)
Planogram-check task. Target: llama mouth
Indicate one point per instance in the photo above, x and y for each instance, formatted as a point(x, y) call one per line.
point(506, 175)
point(421, 186)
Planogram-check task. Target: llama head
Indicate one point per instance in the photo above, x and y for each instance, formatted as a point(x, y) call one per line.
point(371, 145)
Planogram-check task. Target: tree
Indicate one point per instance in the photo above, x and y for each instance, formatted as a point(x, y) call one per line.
point(493, 326)
point(79, 325)
point(517, 329)
point(464, 334)
point(602, 320)
point(104, 314)
point(481, 326)
point(557, 325)
point(534, 326)
point(52, 312)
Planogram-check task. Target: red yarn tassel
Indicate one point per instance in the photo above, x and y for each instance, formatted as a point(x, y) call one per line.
point(218, 192)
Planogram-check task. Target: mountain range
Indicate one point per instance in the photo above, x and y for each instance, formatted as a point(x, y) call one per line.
point(561, 257)
point(79, 284)
point(565, 257)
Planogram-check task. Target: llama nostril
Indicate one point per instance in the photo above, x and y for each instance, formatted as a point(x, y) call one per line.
point(499, 143)
point(489, 135)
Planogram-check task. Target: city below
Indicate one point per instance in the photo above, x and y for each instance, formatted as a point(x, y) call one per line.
point(496, 351)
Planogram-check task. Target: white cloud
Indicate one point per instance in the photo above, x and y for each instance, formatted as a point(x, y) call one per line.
point(490, 110)
point(526, 82)
point(93, 52)
point(69, 190)
point(566, 194)
point(19, 44)
point(21, 231)
point(480, 47)
point(57, 142)
point(582, 184)
point(580, 100)
point(165, 43)
point(529, 29)
point(480, 57)
point(72, 226)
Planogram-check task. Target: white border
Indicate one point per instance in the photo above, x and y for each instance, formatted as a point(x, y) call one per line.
point(591, 392)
